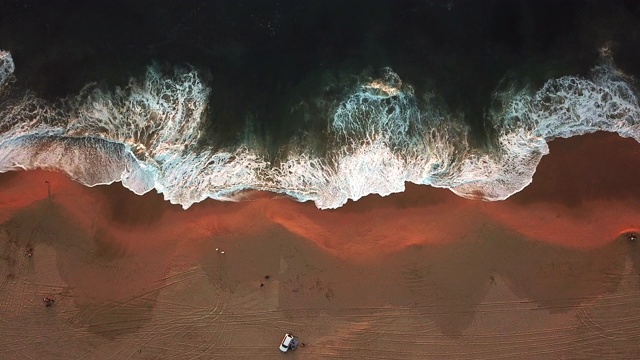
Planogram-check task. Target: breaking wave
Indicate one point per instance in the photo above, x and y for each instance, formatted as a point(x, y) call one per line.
point(149, 135)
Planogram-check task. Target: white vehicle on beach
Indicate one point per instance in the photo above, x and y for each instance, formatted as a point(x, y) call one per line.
point(286, 342)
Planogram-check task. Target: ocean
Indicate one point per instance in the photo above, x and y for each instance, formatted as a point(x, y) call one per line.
point(323, 101)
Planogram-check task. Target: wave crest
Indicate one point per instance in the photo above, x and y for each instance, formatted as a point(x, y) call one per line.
point(564, 107)
point(149, 136)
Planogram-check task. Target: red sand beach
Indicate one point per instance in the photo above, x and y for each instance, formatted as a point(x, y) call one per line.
point(547, 273)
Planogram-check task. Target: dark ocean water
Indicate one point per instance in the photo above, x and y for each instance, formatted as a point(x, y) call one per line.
point(278, 70)
point(263, 56)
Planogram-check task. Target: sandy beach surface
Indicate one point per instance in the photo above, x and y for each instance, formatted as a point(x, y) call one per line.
point(546, 274)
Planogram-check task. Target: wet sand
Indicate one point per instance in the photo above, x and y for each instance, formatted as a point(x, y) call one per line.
point(546, 274)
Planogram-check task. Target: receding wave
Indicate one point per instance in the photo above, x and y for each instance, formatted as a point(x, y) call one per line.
point(381, 134)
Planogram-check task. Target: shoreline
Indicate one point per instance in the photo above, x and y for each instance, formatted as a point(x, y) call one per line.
point(586, 190)
point(131, 275)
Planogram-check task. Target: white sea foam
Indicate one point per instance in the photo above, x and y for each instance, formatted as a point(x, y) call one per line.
point(564, 107)
point(88, 161)
point(6, 67)
point(148, 134)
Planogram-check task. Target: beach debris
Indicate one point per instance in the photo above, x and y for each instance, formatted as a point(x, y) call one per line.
point(632, 236)
point(266, 277)
point(48, 301)
point(29, 252)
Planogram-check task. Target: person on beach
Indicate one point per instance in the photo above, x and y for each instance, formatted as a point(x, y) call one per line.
point(294, 344)
point(48, 301)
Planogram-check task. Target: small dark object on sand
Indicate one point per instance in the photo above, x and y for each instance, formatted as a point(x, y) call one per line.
point(29, 252)
point(302, 345)
point(632, 236)
point(261, 284)
point(267, 277)
point(48, 301)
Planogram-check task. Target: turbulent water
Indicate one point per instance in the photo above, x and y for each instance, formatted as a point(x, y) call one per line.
point(379, 135)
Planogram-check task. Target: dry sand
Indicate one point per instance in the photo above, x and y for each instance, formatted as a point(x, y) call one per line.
point(545, 274)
